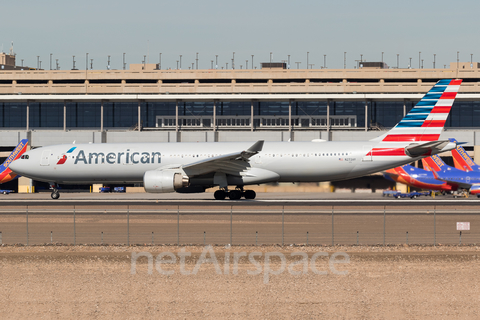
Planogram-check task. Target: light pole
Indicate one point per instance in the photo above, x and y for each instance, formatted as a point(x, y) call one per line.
point(56, 62)
point(123, 62)
point(212, 63)
point(288, 61)
point(91, 64)
point(458, 60)
point(246, 64)
point(216, 61)
point(298, 65)
point(233, 61)
point(73, 68)
point(382, 56)
point(410, 65)
point(108, 62)
point(270, 59)
point(252, 61)
point(471, 60)
point(177, 64)
point(180, 62)
point(434, 56)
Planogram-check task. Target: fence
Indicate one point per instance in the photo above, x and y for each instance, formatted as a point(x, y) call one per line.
point(238, 226)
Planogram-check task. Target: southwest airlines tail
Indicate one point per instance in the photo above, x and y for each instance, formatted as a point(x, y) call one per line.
point(423, 124)
point(5, 173)
point(434, 163)
point(462, 160)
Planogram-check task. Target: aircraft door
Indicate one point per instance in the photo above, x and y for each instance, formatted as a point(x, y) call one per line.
point(45, 160)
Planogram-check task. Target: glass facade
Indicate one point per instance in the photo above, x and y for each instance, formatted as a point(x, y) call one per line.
point(385, 114)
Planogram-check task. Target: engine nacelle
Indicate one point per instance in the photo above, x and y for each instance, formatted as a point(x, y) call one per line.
point(160, 181)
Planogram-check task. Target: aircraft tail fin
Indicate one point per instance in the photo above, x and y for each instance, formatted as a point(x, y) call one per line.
point(5, 173)
point(462, 160)
point(434, 163)
point(426, 120)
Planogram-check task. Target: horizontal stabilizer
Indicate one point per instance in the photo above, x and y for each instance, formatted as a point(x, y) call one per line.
point(429, 148)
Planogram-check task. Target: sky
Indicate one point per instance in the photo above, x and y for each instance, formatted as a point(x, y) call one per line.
point(262, 28)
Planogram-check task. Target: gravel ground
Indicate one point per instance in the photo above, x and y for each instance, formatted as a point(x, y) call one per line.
point(394, 282)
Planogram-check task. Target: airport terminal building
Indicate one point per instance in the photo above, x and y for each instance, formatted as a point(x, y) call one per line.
point(145, 103)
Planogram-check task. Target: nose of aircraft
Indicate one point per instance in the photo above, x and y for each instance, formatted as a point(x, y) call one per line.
point(16, 166)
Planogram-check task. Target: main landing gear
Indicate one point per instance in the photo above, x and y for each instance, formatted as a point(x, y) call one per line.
point(55, 193)
point(236, 194)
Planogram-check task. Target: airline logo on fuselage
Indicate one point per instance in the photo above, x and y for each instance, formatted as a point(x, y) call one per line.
point(117, 157)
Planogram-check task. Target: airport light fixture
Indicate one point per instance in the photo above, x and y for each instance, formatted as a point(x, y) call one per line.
point(434, 56)
point(233, 61)
point(270, 59)
point(123, 62)
point(177, 64)
point(22, 62)
point(212, 64)
point(382, 56)
point(73, 66)
point(458, 60)
point(252, 61)
point(91, 64)
point(410, 65)
point(180, 62)
point(216, 61)
point(246, 64)
point(288, 62)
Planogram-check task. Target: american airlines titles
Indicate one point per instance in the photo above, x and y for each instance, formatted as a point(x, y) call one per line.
point(118, 157)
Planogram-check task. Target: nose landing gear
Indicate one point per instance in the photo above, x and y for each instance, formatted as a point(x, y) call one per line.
point(55, 193)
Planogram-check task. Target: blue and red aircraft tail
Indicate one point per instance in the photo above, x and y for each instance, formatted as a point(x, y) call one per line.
point(5, 173)
point(462, 160)
point(423, 124)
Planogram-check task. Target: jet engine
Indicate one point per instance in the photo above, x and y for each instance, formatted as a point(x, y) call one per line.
point(162, 181)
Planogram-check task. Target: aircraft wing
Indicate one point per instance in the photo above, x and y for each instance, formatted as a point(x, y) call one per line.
point(232, 163)
point(429, 148)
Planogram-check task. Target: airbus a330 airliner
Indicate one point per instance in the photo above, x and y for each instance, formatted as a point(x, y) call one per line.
point(194, 167)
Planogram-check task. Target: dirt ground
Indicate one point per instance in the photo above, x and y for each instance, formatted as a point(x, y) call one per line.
point(394, 282)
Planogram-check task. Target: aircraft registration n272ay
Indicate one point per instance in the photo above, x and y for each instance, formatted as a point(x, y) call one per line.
point(194, 167)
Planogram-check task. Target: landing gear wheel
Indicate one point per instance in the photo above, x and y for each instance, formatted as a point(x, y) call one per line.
point(55, 194)
point(220, 195)
point(250, 194)
point(235, 195)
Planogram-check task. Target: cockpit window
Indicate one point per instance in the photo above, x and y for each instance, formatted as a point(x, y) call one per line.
point(25, 156)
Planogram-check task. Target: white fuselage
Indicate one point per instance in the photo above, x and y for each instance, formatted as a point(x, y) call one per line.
point(127, 162)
